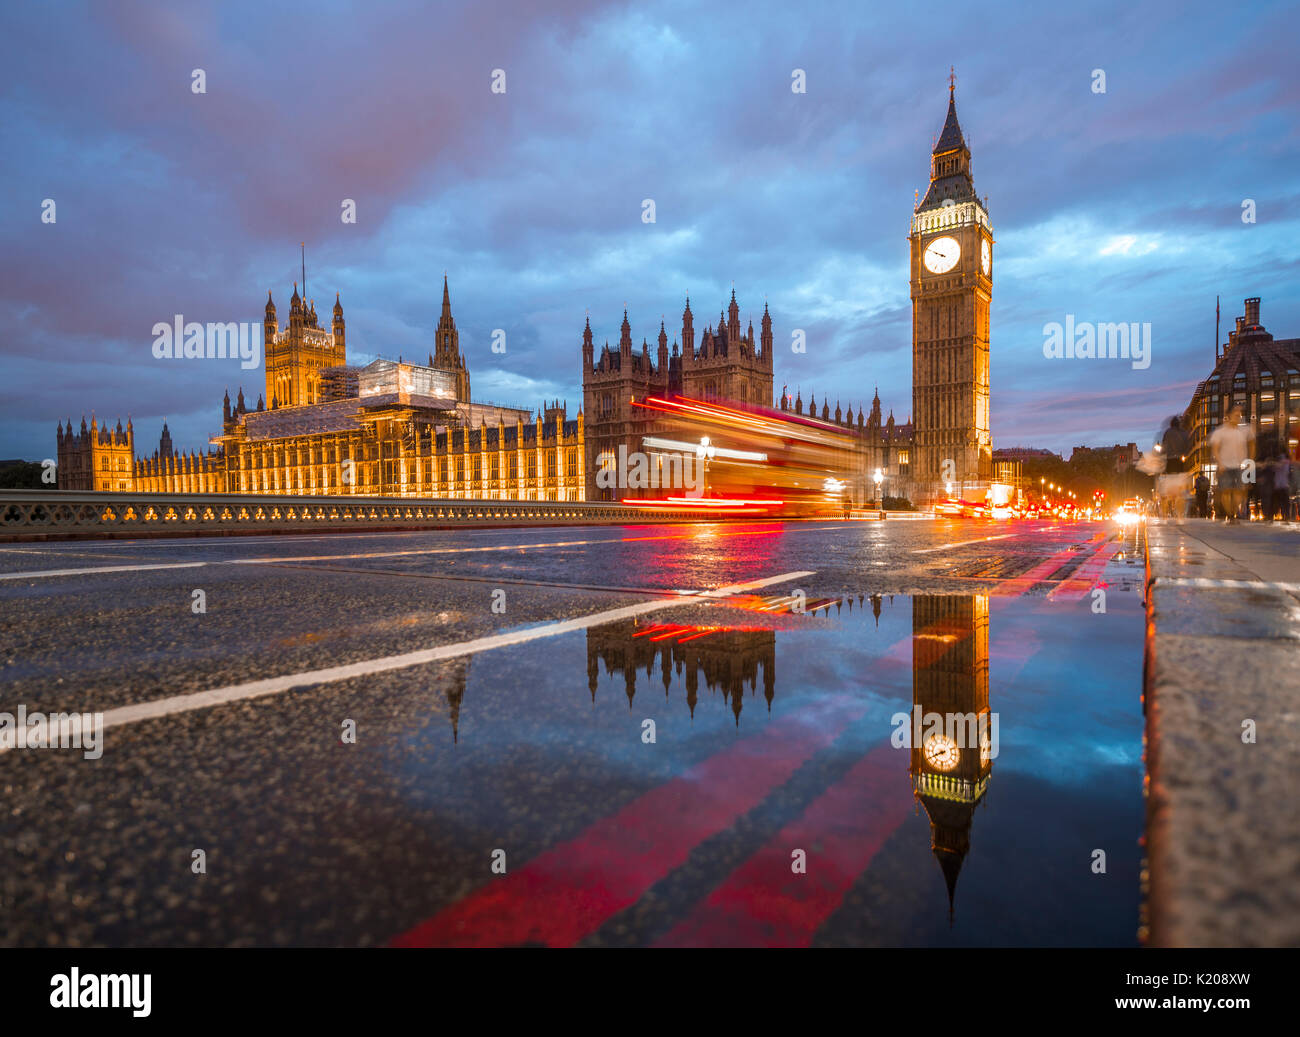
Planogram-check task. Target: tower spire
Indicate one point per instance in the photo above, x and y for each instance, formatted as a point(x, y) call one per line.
point(951, 138)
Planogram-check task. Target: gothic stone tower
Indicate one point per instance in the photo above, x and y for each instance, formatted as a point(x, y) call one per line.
point(97, 458)
point(610, 383)
point(729, 365)
point(446, 355)
point(952, 282)
point(296, 353)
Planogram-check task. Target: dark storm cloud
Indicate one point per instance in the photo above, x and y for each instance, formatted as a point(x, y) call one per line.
point(1122, 206)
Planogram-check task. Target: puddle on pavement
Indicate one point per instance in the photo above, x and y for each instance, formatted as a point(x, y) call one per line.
point(781, 742)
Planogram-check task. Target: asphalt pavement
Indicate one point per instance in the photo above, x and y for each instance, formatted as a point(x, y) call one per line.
point(440, 737)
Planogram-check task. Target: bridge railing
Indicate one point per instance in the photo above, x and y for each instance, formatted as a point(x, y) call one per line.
point(69, 514)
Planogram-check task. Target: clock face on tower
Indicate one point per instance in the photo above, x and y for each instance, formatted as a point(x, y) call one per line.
point(941, 752)
point(986, 256)
point(942, 254)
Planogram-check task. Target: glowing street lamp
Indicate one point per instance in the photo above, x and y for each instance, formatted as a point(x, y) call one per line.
point(705, 452)
point(879, 477)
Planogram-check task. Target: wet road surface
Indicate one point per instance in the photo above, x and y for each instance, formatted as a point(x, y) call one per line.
point(660, 735)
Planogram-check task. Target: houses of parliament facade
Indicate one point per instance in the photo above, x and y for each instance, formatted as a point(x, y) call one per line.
point(395, 429)
point(390, 429)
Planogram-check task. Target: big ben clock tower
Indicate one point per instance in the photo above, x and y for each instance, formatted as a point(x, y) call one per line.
point(952, 282)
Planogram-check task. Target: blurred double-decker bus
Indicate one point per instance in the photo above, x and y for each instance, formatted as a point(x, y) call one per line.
point(739, 459)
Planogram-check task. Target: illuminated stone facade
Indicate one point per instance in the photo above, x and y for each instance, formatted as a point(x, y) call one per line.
point(96, 458)
point(388, 429)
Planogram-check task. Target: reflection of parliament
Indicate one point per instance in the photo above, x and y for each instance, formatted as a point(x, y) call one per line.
point(398, 429)
point(950, 677)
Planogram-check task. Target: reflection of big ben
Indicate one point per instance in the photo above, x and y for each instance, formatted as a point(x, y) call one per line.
point(950, 678)
point(952, 283)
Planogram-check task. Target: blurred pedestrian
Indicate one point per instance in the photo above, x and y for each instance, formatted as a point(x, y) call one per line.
point(1230, 444)
point(1293, 505)
point(1281, 497)
point(1202, 496)
point(1175, 446)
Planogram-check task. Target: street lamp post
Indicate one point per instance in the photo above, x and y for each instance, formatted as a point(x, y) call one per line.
point(705, 452)
point(879, 477)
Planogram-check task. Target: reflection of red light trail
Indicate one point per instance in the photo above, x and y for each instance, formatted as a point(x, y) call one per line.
point(1040, 572)
point(1082, 580)
point(753, 603)
point(570, 890)
point(764, 904)
point(668, 631)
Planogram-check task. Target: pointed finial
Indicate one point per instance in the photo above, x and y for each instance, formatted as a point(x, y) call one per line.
point(952, 79)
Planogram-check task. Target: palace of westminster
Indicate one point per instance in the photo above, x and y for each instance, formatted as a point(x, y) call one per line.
point(399, 429)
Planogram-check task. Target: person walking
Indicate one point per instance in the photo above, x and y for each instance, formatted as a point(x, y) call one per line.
point(1281, 497)
point(1175, 445)
point(1202, 496)
point(1293, 505)
point(1230, 444)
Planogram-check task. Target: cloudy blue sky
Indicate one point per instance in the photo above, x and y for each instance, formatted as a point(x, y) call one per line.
point(1122, 206)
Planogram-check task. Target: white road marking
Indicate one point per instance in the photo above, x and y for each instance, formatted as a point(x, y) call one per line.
point(41, 573)
point(418, 551)
point(981, 540)
point(1202, 583)
point(274, 685)
point(277, 560)
point(961, 543)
